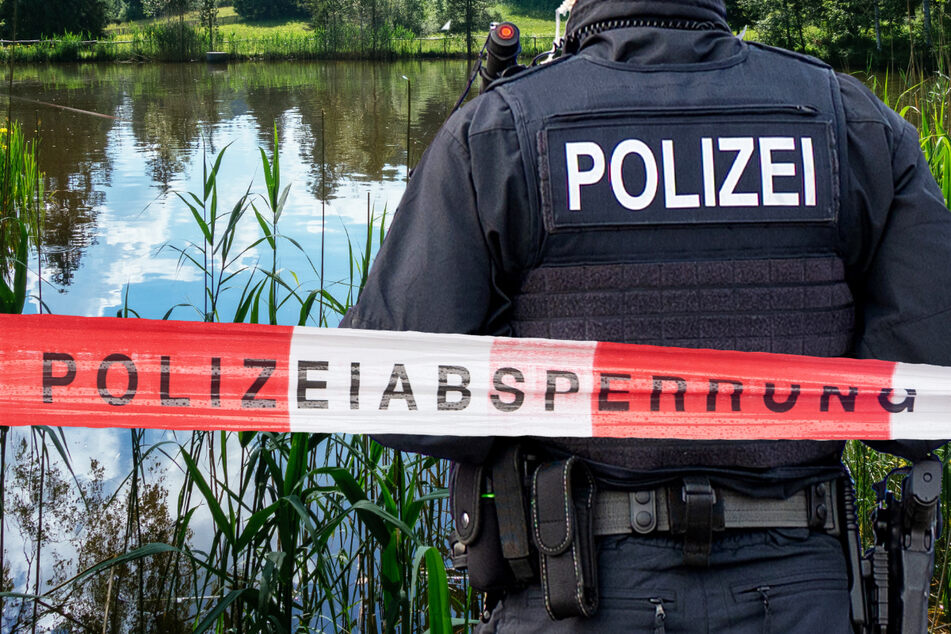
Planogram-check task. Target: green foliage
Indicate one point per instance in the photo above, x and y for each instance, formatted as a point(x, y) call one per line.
point(51, 17)
point(269, 9)
point(846, 32)
point(175, 41)
point(208, 18)
point(131, 10)
point(470, 15)
point(159, 8)
point(13, 296)
point(21, 213)
point(365, 29)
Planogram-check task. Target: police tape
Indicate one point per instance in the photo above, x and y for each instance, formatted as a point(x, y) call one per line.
point(105, 372)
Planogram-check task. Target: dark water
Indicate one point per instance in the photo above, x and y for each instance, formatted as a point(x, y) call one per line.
point(113, 181)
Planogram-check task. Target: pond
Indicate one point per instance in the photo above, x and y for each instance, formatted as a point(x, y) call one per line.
point(119, 143)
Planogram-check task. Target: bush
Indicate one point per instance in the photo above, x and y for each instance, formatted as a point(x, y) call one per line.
point(175, 41)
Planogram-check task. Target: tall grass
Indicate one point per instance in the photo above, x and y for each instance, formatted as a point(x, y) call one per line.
point(325, 533)
point(21, 213)
point(172, 43)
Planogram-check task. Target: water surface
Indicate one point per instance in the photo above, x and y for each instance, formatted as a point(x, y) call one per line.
point(115, 219)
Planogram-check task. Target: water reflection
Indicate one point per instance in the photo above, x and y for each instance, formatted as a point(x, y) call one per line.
point(112, 180)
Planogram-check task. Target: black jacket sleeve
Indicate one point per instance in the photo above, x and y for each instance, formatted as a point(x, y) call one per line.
point(903, 272)
point(433, 273)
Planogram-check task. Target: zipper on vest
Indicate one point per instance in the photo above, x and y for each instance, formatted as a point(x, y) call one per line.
point(801, 110)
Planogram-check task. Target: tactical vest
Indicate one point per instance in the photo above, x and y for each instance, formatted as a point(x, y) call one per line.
point(694, 206)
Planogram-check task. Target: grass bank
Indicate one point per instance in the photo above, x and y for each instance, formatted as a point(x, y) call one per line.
point(184, 40)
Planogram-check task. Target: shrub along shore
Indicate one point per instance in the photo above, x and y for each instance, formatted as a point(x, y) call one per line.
point(186, 40)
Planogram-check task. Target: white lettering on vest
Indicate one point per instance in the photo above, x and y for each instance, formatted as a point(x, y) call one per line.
point(673, 199)
point(714, 153)
point(743, 146)
point(646, 197)
point(709, 175)
point(769, 170)
point(808, 172)
point(576, 177)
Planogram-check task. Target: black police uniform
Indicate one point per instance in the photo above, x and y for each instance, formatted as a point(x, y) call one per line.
point(669, 184)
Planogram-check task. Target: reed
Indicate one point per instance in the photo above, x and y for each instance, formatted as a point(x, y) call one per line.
point(21, 214)
point(314, 532)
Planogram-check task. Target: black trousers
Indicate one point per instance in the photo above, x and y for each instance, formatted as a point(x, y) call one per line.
point(779, 581)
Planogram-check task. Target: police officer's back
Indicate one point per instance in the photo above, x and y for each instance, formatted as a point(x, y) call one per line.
point(668, 184)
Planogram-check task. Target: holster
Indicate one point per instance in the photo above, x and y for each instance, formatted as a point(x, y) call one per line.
point(897, 569)
point(563, 496)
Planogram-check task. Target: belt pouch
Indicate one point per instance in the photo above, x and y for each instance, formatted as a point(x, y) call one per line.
point(563, 495)
point(477, 529)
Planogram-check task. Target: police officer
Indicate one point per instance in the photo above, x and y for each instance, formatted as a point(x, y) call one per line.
point(666, 183)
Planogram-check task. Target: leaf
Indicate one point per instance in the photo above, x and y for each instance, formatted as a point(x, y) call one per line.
point(295, 463)
point(198, 219)
point(264, 226)
point(212, 178)
point(210, 618)
point(306, 307)
point(255, 306)
point(19, 271)
point(245, 437)
point(280, 204)
point(220, 520)
point(268, 176)
point(143, 551)
point(168, 313)
point(298, 506)
point(371, 508)
point(437, 586)
point(440, 620)
point(253, 526)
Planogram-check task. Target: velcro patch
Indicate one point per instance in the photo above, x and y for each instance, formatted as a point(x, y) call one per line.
point(641, 168)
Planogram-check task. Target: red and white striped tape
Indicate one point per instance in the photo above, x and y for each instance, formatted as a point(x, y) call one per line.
point(103, 372)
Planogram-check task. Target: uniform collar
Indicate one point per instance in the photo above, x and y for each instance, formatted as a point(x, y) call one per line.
point(587, 12)
point(645, 45)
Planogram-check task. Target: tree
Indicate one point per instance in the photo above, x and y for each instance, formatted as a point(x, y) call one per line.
point(469, 16)
point(53, 17)
point(108, 529)
point(43, 508)
point(330, 16)
point(926, 6)
point(132, 10)
point(208, 16)
point(167, 7)
point(269, 9)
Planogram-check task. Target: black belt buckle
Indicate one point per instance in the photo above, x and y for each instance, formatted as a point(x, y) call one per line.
point(695, 512)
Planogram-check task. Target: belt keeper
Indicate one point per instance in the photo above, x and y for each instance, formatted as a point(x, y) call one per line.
point(512, 510)
point(563, 495)
point(695, 512)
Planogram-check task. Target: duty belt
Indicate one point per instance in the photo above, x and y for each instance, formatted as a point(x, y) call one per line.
point(697, 510)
